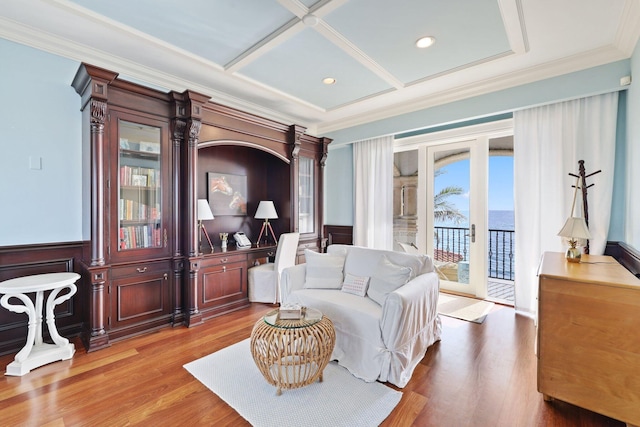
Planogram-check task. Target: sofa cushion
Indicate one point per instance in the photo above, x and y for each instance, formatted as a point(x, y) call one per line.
point(361, 261)
point(386, 278)
point(324, 271)
point(356, 285)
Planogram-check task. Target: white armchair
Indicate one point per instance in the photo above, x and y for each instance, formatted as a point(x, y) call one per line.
point(264, 279)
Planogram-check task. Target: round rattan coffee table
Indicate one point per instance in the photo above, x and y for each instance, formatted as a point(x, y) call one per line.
point(292, 353)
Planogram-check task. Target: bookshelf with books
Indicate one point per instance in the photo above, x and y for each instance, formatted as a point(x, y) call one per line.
point(133, 266)
point(140, 202)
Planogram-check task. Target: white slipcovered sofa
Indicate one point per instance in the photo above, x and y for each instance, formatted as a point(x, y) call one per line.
point(383, 330)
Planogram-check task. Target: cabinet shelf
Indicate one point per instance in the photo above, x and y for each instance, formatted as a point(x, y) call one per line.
point(139, 154)
point(138, 188)
point(152, 222)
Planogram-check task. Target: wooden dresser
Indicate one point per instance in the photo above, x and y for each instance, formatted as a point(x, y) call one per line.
point(589, 335)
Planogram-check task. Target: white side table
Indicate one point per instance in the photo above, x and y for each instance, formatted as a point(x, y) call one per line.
point(37, 353)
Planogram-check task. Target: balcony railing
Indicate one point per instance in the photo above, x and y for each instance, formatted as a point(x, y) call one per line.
point(452, 245)
point(501, 259)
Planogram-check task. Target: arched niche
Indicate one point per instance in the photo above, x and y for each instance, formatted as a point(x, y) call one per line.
point(268, 177)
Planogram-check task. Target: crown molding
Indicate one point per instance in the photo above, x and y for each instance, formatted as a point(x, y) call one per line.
point(629, 30)
point(53, 44)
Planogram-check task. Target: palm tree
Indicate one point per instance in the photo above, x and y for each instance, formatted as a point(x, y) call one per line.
point(443, 209)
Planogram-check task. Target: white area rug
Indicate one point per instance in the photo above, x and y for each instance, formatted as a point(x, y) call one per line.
point(340, 400)
point(470, 309)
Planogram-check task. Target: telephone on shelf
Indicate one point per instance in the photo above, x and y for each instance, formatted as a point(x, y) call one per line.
point(242, 241)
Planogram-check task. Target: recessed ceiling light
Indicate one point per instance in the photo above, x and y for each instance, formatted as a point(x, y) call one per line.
point(425, 42)
point(310, 20)
point(328, 80)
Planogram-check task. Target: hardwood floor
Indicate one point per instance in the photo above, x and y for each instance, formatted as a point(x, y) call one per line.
point(478, 375)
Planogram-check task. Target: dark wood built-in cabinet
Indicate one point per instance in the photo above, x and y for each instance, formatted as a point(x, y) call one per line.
point(147, 156)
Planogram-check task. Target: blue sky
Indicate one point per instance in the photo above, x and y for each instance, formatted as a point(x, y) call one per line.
point(500, 182)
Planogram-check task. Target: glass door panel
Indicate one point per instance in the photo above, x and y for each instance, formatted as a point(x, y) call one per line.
point(455, 211)
point(139, 187)
point(306, 207)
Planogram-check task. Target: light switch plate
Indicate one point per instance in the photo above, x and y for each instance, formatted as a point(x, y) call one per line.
point(35, 162)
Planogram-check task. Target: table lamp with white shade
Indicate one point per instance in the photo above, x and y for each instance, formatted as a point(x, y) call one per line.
point(204, 214)
point(574, 229)
point(266, 210)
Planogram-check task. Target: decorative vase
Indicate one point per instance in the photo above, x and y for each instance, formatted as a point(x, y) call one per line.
point(574, 254)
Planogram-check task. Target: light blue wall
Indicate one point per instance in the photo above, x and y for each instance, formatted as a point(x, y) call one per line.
point(39, 120)
point(341, 194)
point(618, 200)
point(595, 80)
point(632, 167)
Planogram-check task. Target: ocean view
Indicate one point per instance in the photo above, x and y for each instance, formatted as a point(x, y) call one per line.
point(498, 220)
point(500, 241)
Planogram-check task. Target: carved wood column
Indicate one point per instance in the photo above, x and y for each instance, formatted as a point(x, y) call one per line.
point(178, 129)
point(295, 135)
point(194, 103)
point(94, 334)
point(190, 210)
point(323, 159)
point(92, 84)
point(98, 111)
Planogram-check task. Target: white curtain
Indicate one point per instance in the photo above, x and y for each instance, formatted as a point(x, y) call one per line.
point(548, 142)
point(373, 182)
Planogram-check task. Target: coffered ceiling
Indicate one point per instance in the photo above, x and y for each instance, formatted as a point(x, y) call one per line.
point(269, 57)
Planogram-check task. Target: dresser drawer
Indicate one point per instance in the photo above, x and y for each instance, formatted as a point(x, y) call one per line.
point(224, 259)
point(140, 268)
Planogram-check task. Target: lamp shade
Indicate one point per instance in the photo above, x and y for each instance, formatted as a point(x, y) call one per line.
point(204, 210)
point(266, 210)
point(575, 228)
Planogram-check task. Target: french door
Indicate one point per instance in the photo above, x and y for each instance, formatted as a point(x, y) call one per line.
point(452, 212)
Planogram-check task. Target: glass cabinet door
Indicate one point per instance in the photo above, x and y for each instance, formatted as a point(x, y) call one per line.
point(139, 187)
point(306, 208)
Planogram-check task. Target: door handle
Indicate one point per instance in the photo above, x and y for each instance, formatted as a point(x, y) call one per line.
point(473, 233)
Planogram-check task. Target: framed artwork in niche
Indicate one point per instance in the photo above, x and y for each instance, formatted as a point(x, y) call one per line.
point(227, 193)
